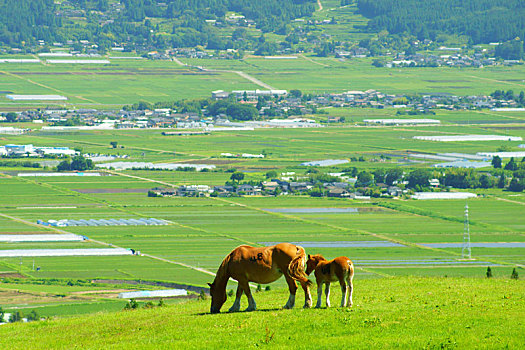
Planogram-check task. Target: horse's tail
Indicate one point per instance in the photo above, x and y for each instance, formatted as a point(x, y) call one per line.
point(296, 267)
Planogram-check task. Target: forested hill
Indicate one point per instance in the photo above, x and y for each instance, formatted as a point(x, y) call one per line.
point(266, 13)
point(142, 23)
point(22, 20)
point(483, 21)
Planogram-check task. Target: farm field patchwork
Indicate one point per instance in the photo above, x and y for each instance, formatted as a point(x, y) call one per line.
point(201, 231)
point(129, 81)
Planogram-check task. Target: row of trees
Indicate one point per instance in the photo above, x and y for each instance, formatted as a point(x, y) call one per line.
point(228, 107)
point(509, 95)
point(455, 177)
point(17, 316)
point(77, 163)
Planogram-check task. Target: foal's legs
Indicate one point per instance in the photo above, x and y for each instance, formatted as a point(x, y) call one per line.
point(344, 292)
point(327, 292)
point(351, 287)
point(319, 293)
point(237, 303)
point(292, 287)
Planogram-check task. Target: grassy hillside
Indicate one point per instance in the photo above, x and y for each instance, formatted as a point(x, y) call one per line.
point(405, 312)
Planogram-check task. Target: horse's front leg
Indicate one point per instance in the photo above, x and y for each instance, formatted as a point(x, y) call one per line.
point(319, 294)
point(237, 303)
point(251, 302)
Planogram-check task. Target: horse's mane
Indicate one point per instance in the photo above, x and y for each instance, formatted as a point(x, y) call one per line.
point(222, 272)
point(296, 267)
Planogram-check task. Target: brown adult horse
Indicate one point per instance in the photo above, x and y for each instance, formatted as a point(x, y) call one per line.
point(340, 268)
point(260, 265)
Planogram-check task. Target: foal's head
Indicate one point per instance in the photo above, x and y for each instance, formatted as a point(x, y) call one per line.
point(312, 262)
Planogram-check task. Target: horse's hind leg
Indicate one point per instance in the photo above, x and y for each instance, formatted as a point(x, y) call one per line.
point(292, 286)
point(307, 295)
point(327, 292)
point(237, 303)
point(344, 292)
point(351, 289)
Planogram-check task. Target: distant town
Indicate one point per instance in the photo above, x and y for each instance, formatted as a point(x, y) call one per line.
point(275, 108)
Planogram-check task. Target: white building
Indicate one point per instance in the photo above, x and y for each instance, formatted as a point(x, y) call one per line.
point(33, 151)
point(401, 121)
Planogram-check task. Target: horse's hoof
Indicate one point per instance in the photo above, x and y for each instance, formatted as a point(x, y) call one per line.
point(307, 306)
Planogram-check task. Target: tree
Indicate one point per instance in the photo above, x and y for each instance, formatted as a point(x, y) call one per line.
point(10, 117)
point(486, 181)
point(378, 63)
point(114, 144)
point(80, 163)
point(418, 177)
point(272, 174)
point(489, 272)
point(316, 192)
point(393, 175)
point(131, 305)
point(364, 178)
point(242, 112)
point(511, 165)
point(296, 93)
point(237, 176)
point(33, 316)
point(496, 162)
point(501, 182)
point(64, 165)
point(15, 317)
point(517, 185)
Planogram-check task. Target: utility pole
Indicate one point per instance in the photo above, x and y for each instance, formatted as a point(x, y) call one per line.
point(465, 251)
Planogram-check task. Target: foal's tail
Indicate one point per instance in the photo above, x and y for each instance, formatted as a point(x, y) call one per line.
point(350, 269)
point(296, 267)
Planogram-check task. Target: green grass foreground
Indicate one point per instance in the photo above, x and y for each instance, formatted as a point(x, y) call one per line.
point(405, 313)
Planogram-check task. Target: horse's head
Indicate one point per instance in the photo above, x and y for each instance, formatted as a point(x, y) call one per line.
point(312, 262)
point(218, 298)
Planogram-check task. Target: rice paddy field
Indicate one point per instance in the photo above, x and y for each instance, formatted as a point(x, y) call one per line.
point(384, 237)
point(123, 82)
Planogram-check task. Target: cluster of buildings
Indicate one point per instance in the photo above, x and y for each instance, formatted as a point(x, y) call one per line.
point(15, 151)
point(476, 60)
point(287, 110)
point(273, 187)
point(344, 189)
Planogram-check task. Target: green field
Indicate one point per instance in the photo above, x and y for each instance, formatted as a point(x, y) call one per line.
point(128, 81)
point(433, 313)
